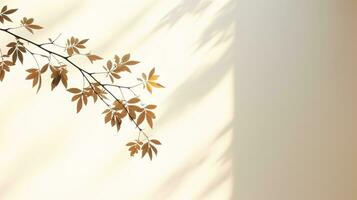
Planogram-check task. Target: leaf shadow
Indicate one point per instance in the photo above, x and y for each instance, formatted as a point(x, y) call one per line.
point(197, 86)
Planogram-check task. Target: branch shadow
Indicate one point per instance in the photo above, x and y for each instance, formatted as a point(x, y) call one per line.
point(178, 12)
point(197, 86)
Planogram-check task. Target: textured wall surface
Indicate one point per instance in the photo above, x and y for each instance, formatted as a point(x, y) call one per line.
point(260, 103)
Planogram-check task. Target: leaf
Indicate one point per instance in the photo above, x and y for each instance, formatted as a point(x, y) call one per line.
point(3, 9)
point(75, 97)
point(39, 83)
point(125, 58)
point(149, 88)
point(157, 142)
point(109, 65)
point(105, 111)
point(156, 85)
point(93, 58)
point(118, 123)
point(79, 105)
point(8, 12)
point(141, 118)
point(150, 83)
point(70, 51)
point(151, 106)
point(14, 57)
point(5, 12)
point(20, 56)
point(152, 72)
point(117, 59)
point(27, 23)
point(134, 100)
point(55, 82)
point(108, 117)
point(154, 149)
point(144, 149)
point(2, 75)
point(150, 153)
point(74, 90)
point(35, 75)
point(149, 120)
point(132, 62)
point(151, 114)
point(32, 26)
point(83, 41)
point(130, 144)
point(44, 68)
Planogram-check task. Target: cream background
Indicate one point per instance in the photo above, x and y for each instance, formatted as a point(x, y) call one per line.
point(259, 104)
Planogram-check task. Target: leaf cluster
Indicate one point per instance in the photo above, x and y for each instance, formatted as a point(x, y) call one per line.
point(150, 80)
point(117, 66)
point(4, 14)
point(147, 148)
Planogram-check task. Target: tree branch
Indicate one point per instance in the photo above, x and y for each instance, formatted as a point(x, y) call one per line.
point(82, 71)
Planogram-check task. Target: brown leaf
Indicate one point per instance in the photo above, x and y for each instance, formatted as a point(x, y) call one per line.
point(109, 65)
point(154, 149)
point(39, 83)
point(44, 68)
point(157, 142)
point(117, 59)
point(144, 149)
point(27, 23)
point(125, 58)
point(151, 106)
point(75, 97)
point(32, 26)
point(8, 12)
point(152, 72)
point(130, 144)
point(150, 153)
point(151, 114)
point(134, 100)
point(79, 105)
point(55, 82)
point(85, 99)
point(93, 58)
point(74, 90)
point(2, 75)
point(118, 122)
point(132, 62)
point(4, 9)
point(108, 117)
point(149, 120)
point(21, 57)
point(141, 118)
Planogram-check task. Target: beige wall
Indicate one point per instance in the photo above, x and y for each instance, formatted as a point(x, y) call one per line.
point(296, 100)
point(259, 104)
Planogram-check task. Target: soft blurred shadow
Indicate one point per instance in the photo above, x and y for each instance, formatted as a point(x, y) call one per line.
point(186, 7)
point(127, 26)
point(198, 85)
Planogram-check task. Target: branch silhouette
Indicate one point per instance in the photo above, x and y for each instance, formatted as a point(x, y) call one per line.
point(117, 111)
